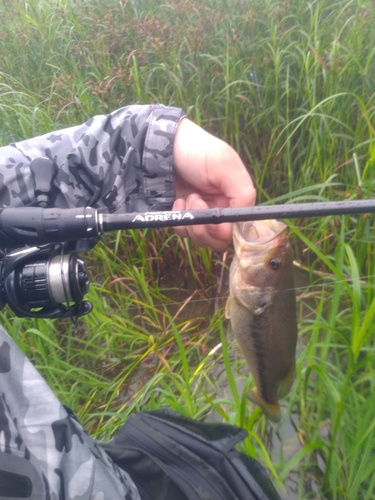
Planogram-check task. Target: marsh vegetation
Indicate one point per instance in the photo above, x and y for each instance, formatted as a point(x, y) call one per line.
point(290, 84)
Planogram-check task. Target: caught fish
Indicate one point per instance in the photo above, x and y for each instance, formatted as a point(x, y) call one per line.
point(262, 309)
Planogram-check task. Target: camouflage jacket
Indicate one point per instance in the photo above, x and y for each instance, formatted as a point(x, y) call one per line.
point(116, 162)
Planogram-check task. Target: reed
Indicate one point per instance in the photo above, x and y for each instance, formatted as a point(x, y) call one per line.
point(290, 86)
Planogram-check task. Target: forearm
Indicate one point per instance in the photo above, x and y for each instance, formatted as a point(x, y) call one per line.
point(118, 162)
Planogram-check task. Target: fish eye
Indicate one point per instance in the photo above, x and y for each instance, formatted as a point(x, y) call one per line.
point(275, 264)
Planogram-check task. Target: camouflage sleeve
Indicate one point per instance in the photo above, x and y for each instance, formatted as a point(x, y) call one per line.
point(122, 161)
point(44, 452)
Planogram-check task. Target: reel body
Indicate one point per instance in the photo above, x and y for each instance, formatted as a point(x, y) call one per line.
point(41, 275)
point(44, 282)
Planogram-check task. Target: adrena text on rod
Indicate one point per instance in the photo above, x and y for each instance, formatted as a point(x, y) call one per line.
point(162, 216)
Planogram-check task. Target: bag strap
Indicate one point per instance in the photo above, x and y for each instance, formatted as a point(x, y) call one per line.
point(223, 436)
point(197, 478)
point(165, 451)
point(214, 443)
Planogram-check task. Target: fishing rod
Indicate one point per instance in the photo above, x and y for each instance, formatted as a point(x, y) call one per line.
point(41, 275)
point(38, 226)
point(112, 222)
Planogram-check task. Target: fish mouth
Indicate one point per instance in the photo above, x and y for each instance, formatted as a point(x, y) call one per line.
point(259, 232)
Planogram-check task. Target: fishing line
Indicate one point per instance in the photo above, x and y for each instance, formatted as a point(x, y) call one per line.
point(224, 297)
point(323, 281)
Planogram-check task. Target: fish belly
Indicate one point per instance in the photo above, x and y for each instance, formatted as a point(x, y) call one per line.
point(269, 349)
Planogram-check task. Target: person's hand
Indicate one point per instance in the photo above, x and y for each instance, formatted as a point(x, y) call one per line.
point(209, 173)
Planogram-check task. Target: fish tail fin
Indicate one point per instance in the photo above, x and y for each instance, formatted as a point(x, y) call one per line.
point(286, 383)
point(271, 411)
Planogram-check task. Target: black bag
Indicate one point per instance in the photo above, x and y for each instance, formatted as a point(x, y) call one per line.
point(171, 457)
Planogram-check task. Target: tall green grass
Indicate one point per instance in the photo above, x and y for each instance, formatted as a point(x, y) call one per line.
point(291, 86)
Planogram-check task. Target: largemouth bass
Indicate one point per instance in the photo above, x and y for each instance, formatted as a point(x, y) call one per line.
point(262, 309)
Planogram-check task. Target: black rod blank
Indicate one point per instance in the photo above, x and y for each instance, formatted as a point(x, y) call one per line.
point(38, 226)
point(111, 222)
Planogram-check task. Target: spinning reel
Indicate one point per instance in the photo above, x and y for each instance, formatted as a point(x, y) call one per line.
point(46, 279)
point(44, 282)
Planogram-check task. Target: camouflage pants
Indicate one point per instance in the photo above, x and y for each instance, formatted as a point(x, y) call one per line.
point(44, 452)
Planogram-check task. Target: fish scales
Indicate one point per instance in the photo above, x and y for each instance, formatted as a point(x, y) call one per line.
point(262, 309)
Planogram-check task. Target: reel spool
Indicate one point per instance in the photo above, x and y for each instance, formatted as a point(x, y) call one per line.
point(44, 283)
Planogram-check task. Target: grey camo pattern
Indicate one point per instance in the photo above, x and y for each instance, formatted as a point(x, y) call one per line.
point(120, 161)
point(40, 438)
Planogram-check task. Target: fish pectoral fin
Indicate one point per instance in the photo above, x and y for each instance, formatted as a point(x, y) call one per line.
point(260, 308)
point(243, 302)
point(255, 300)
point(286, 383)
point(271, 411)
point(227, 308)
